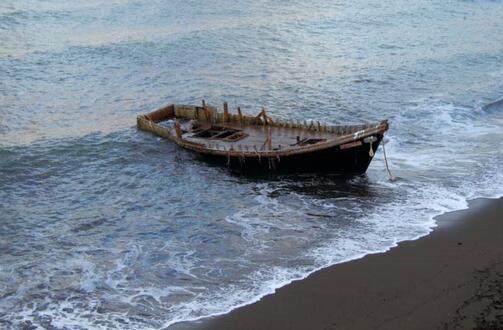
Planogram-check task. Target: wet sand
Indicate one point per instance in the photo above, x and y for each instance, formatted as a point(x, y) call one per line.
point(450, 279)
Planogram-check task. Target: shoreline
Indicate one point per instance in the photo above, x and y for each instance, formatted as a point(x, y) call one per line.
point(433, 281)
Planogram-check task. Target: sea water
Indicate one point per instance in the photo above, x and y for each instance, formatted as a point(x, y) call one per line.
point(104, 226)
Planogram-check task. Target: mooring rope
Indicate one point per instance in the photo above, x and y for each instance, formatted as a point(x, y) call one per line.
point(258, 155)
point(391, 177)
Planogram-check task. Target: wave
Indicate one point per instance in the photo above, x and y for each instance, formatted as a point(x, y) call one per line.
point(293, 227)
point(496, 106)
point(374, 229)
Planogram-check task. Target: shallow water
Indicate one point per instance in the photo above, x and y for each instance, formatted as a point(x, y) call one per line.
point(103, 226)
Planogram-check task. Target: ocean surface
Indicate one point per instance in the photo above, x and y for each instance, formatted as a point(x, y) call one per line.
point(103, 226)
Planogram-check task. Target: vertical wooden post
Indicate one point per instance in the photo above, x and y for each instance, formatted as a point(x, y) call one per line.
point(240, 115)
point(207, 113)
point(269, 137)
point(226, 112)
point(178, 130)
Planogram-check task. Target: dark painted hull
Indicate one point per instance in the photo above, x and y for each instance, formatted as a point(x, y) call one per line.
point(350, 161)
point(245, 143)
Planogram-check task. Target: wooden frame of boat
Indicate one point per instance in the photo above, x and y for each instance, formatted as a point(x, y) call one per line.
point(261, 143)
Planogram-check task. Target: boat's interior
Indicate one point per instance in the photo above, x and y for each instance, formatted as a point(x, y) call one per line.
point(222, 130)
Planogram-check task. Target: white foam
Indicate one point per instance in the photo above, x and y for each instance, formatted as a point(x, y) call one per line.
point(439, 174)
point(404, 219)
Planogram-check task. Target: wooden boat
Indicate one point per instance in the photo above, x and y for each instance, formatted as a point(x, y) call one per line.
point(261, 143)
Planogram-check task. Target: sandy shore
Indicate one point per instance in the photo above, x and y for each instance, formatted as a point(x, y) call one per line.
point(450, 279)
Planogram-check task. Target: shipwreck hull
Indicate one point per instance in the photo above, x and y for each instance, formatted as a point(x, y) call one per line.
point(351, 161)
point(259, 144)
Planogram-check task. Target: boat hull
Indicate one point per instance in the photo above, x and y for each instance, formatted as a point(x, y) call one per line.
point(251, 144)
point(350, 161)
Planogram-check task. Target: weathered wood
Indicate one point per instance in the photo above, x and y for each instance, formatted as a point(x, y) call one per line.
point(237, 136)
point(226, 112)
point(269, 137)
point(240, 114)
point(178, 130)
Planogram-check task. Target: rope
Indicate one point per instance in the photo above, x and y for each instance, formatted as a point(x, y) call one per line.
point(391, 177)
point(258, 155)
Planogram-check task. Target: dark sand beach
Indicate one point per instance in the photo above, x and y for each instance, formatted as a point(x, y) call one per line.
point(450, 279)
